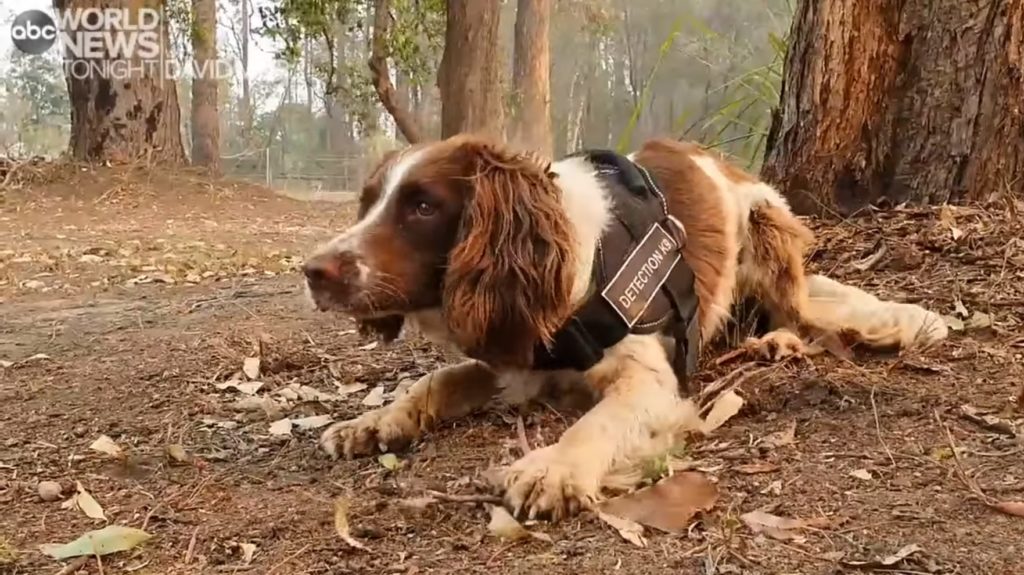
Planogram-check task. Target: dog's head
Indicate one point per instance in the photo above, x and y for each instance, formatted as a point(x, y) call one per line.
point(463, 226)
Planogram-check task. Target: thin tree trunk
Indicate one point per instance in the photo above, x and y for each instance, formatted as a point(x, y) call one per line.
point(916, 101)
point(205, 116)
point(123, 119)
point(531, 125)
point(246, 86)
point(468, 78)
point(382, 76)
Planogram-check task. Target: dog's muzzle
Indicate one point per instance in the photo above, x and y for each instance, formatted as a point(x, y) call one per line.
point(332, 279)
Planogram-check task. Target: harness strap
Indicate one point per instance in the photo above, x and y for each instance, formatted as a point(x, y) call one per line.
point(580, 344)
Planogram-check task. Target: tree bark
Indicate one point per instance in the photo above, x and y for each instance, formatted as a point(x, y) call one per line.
point(468, 78)
point(205, 115)
point(246, 86)
point(382, 76)
point(122, 117)
point(531, 65)
point(916, 101)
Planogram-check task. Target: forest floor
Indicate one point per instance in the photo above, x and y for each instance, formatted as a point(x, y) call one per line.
point(127, 295)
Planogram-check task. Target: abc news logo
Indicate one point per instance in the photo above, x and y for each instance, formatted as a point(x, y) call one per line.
point(34, 32)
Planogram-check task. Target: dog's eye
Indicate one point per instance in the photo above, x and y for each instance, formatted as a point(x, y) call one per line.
point(425, 210)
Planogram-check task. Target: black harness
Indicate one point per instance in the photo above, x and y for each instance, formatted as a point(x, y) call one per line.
point(640, 283)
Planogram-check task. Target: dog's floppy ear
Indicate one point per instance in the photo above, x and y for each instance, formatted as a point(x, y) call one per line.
point(509, 280)
point(386, 328)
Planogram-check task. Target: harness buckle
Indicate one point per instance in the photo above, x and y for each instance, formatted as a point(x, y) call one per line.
point(677, 229)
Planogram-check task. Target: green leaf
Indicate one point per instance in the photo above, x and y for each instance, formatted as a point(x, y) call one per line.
point(390, 461)
point(110, 539)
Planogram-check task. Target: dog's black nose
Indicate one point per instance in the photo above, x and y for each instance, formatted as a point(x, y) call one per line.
point(326, 268)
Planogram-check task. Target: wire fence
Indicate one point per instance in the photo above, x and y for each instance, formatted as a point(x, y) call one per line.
point(337, 176)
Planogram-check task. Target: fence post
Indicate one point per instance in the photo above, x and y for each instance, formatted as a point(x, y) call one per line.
point(267, 157)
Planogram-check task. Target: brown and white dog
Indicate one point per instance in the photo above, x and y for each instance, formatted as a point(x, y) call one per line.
point(492, 250)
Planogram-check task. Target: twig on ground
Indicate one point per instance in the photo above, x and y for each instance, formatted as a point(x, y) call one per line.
point(878, 428)
point(468, 498)
point(524, 443)
point(288, 559)
point(191, 546)
point(75, 565)
point(971, 485)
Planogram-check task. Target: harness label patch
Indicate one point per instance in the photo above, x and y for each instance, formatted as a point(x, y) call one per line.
point(642, 274)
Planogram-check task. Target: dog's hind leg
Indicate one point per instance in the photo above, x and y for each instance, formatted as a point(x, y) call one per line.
point(772, 271)
point(877, 323)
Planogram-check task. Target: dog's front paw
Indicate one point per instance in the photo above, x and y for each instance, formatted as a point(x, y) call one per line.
point(777, 345)
point(390, 428)
point(546, 482)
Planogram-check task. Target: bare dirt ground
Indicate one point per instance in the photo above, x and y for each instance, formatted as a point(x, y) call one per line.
point(143, 290)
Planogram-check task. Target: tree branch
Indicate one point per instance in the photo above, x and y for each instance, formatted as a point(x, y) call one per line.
point(378, 64)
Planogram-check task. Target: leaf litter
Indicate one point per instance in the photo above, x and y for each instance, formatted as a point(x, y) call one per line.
point(628, 529)
point(105, 444)
point(504, 526)
point(251, 367)
point(781, 528)
point(110, 539)
point(85, 502)
point(723, 408)
point(668, 505)
point(341, 526)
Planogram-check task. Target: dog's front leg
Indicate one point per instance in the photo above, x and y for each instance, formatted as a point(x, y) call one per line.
point(638, 416)
point(445, 394)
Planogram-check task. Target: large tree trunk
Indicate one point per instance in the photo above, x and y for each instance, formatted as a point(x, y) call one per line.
point(531, 125)
point(916, 101)
point(122, 119)
point(205, 116)
point(471, 97)
point(381, 75)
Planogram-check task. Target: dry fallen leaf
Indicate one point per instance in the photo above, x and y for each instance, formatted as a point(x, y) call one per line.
point(978, 320)
point(282, 426)
point(780, 528)
point(177, 454)
point(349, 388)
point(953, 323)
point(375, 398)
point(780, 438)
point(251, 367)
point(668, 505)
point(401, 388)
point(888, 561)
point(110, 539)
point(988, 421)
point(504, 526)
point(417, 503)
point(84, 501)
point(960, 309)
point(246, 387)
point(341, 523)
point(104, 444)
point(628, 529)
point(773, 488)
point(759, 467)
point(1015, 508)
point(725, 406)
point(248, 550)
point(312, 422)
point(862, 474)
